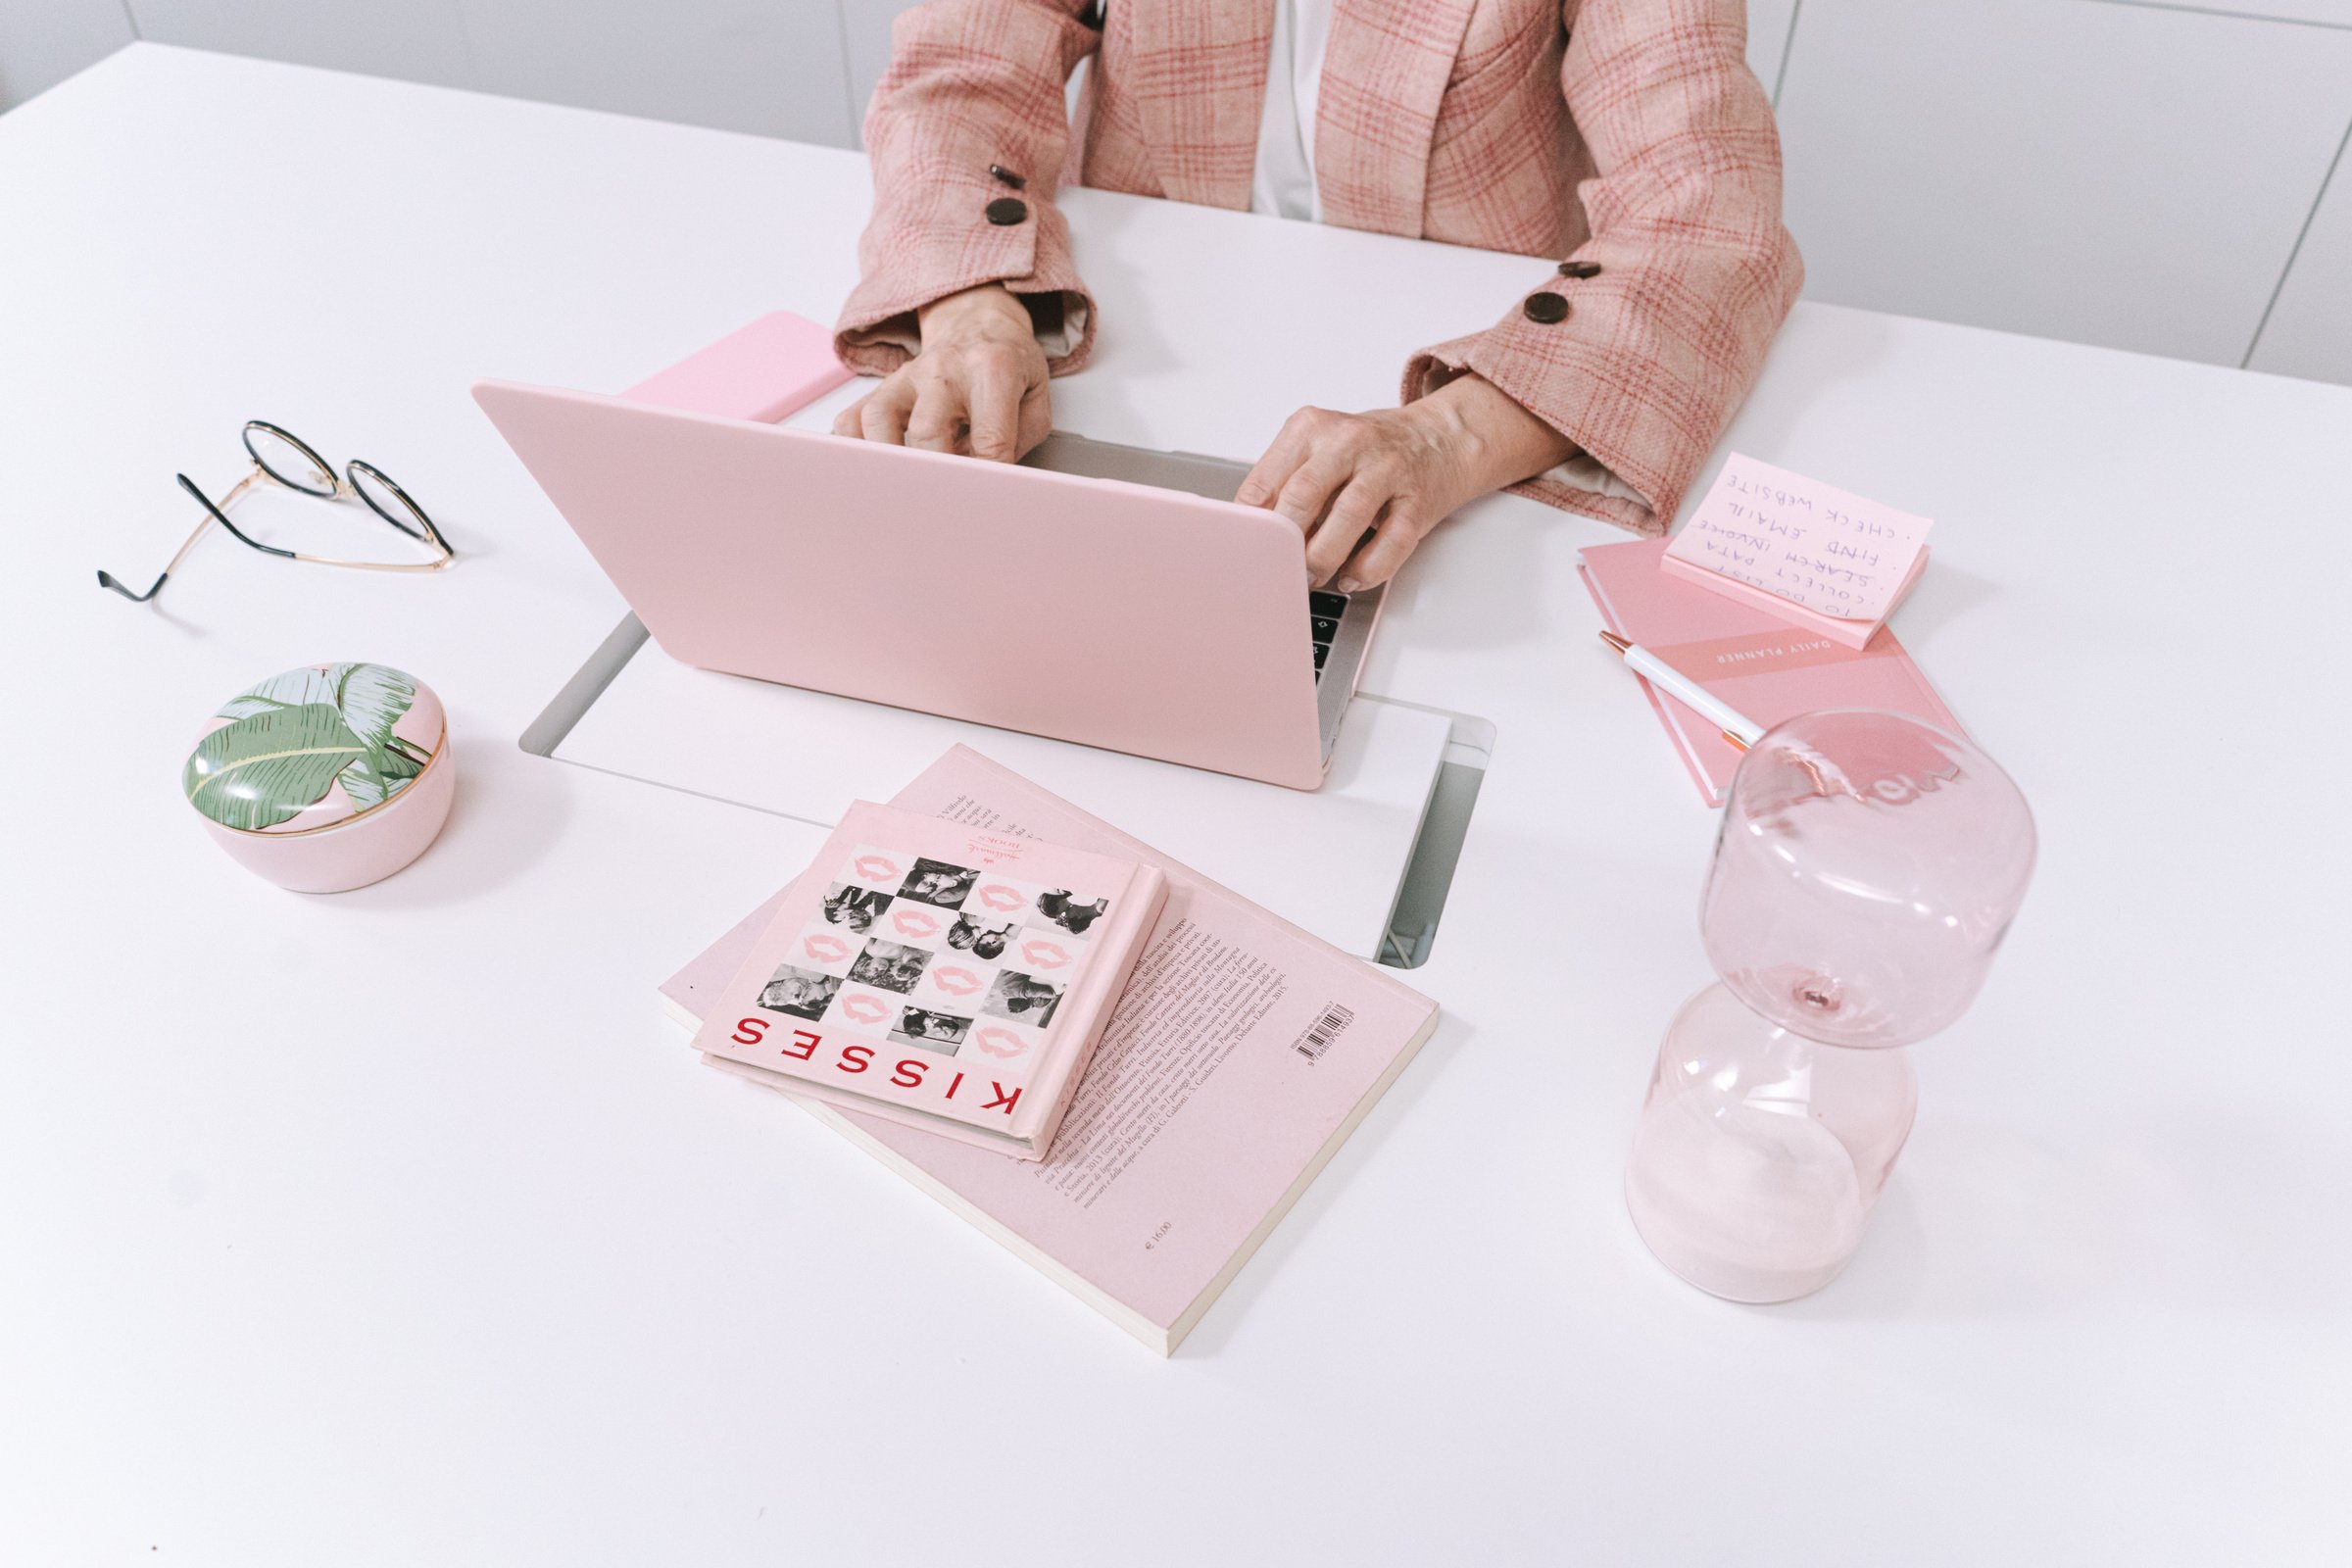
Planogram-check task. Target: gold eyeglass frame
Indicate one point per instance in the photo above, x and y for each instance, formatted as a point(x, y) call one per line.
point(332, 486)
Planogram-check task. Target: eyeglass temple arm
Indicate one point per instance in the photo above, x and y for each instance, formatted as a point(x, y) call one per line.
point(212, 514)
point(256, 475)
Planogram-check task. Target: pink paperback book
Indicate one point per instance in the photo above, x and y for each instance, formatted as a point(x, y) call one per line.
point(1240, 1056)
point(1747, 655)
point(940, 974)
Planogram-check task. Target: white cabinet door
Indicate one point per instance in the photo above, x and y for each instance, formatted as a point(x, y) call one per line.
point(769, 67)
point(1768, 24)
point(42, 42)
point(2118, 175)
point(414, 40)
point(2318, 13)
point(2310, 329)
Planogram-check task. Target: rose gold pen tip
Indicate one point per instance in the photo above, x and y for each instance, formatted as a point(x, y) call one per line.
point(1621, 644)
point(1738, 744)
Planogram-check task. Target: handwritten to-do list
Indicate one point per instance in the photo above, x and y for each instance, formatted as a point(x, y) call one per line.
point(1831, 552)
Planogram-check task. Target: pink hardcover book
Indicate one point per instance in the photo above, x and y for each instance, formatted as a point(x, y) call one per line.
point(1844, 631)
point(1241, 1055)
point(938, 974)
point(1747, 655)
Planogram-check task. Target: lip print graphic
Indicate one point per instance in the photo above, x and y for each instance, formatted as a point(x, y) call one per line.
point(955, 982)
point(1001, 898)
point(874, 869)
point(1044, 955)
point(914, 922)
point(999, 1041)
point(859, 1008)
point(825, 949)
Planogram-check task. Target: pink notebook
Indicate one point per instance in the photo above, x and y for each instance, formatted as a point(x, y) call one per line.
point(1240, 1056)
point(940, 976)
point(765, 371)
point(1748, 655)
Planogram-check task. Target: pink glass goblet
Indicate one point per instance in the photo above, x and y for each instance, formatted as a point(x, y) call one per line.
point(1867, 868)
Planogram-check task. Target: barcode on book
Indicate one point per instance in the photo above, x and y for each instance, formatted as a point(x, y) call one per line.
point(1317, 1040)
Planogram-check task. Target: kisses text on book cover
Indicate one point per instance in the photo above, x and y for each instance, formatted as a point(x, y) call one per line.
point(927, 982)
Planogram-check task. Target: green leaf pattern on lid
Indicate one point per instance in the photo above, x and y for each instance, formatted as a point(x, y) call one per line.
point(294, 736)
point(372, 697)
point(377, 776)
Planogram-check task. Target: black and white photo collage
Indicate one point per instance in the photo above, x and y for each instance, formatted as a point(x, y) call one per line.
point(934, 955)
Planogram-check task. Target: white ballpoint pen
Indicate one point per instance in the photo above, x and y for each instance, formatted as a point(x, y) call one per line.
point(1738, 728)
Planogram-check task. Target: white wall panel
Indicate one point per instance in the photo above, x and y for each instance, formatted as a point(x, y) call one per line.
point(865, 27)
point(2310, 329)
point(414, 40)
point(1768, 22)
point(2116, 174)
point(42, 42)
point(2323, 13)
point(769, 67)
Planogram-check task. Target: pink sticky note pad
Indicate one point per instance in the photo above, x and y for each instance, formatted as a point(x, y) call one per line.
point(1821, 557)
point(773, 367)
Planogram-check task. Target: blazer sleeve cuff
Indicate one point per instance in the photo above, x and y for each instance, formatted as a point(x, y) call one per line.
point(1605, 477)
point(916, 256)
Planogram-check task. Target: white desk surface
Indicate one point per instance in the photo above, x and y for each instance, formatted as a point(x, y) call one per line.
point(395, 1226)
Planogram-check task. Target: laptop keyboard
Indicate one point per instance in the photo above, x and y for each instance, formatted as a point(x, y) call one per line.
point(1324, 611)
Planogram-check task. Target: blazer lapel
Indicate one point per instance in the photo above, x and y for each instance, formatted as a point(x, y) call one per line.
point(1199, 69)
point(1384, 72)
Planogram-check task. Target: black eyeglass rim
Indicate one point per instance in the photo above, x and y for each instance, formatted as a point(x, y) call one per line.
point(432, 535)
point(423, 530)
point(319, 463)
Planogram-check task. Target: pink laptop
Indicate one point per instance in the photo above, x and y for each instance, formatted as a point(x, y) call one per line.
point(1100, 594)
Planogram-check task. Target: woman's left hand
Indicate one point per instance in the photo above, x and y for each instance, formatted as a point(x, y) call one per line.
point(1395, 473)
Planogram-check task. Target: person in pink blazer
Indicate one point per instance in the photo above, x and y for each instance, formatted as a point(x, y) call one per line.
point(1624, 141)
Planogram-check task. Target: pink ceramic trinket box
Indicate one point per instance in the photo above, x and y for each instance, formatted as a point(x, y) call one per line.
point(325, 778)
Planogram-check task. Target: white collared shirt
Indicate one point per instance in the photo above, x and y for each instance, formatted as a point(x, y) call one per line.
point(1283, 183)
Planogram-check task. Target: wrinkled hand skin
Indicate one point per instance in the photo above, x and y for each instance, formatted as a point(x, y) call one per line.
point(1365, 489)
point(978, 386)
point(1394, 474)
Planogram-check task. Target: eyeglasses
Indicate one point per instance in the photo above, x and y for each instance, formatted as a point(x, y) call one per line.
point(283, 458)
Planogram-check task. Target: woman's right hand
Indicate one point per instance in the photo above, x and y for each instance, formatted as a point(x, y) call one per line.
point(978, 386)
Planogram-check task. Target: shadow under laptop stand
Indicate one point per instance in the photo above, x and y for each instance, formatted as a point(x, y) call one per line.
point(1364, 863)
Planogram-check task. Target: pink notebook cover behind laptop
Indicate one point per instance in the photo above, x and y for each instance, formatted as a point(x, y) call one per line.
point(1750, 656)
point(766, 370)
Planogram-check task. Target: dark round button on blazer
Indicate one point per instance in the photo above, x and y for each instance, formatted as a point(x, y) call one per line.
point(1008, 209)
point(1580, 268)
point(1545, 308)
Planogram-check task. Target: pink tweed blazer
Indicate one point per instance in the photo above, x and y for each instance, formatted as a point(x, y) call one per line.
point(1625, 139)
